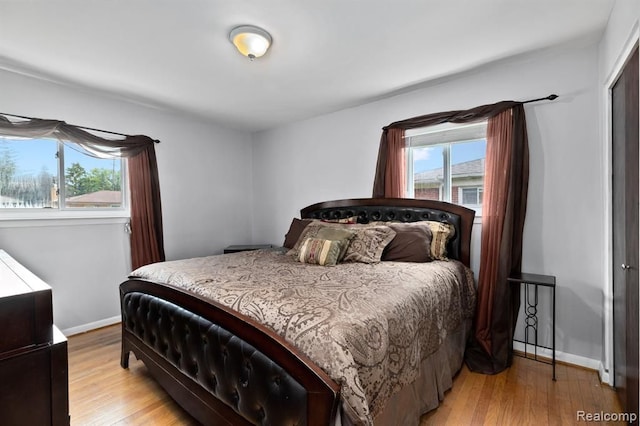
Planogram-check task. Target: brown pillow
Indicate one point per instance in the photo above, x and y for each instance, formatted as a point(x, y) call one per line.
point(295, 229)
point(412, 243)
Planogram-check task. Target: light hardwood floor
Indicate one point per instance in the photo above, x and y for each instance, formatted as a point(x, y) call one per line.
point(102, 393)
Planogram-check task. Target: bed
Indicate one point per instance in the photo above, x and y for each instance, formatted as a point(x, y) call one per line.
point(259, 337)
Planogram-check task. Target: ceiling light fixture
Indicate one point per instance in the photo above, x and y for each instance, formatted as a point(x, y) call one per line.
point(251, 41)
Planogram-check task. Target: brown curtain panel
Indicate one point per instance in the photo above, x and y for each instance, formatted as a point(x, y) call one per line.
point(395, 183)
point(503, 216)
point(147, 242)
point(490, 349)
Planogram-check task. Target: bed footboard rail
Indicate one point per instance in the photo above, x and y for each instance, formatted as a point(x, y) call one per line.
point(221, 366)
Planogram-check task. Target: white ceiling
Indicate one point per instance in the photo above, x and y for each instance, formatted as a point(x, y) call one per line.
point(326, 54)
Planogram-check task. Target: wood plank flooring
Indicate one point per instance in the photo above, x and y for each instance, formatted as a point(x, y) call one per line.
point(522, 395)
point(102, 393)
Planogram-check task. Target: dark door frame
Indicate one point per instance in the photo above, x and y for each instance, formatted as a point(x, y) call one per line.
point(607, 369)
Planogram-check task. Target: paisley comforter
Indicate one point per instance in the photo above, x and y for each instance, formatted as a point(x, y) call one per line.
point(368, 326)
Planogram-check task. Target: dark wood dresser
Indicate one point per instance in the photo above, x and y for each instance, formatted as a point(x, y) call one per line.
point(34, 383)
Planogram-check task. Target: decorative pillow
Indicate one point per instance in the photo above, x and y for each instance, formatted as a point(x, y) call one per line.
point(441, 233)
point(343, 235)
point(350, 220)
point(320, 252)
point(368, 243)
point(323, 231)
point(412, 243)
point(295, 230)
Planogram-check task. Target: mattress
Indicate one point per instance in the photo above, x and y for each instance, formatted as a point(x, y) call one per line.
point(370, 327)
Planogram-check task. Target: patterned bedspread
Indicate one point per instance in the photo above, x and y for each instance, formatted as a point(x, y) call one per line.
point(368, 326)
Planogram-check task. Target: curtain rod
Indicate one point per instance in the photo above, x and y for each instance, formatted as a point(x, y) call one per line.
point(79, 127)
point(547, 98)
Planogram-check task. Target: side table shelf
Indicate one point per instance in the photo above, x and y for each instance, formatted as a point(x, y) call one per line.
point(531, 313)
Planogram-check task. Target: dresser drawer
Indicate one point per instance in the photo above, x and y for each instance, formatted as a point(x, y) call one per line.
point(26, 312)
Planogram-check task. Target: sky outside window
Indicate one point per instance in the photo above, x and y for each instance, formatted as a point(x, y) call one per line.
point(32, 155)
point(29, 176)
point(430, 157)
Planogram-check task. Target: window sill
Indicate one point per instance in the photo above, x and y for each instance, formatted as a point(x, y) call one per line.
point(62, 218)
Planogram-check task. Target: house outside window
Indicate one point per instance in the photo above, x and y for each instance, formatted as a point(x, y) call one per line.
point(49, 175)
point(446, 163)
point(471, 196)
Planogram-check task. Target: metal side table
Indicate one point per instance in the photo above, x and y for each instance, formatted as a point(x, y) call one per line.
point(531, 313)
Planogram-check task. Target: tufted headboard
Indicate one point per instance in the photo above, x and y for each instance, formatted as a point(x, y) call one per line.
point(402, 210)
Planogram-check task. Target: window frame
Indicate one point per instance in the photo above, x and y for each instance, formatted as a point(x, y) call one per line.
point(446, 136)
point(62, 211)
point(478, 190)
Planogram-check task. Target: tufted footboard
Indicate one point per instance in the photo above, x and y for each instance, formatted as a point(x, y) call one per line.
point(222, 367)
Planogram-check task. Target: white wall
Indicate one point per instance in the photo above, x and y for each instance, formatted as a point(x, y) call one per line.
point(622, 20)
point(208, 183)
point(205, 180)
point(334, 156)
point(619, 38)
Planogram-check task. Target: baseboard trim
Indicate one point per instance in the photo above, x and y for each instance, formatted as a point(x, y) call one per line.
point(581, 361)
point(605, 377)
point(91, 326)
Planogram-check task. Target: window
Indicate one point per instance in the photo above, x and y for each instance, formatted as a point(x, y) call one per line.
point(49, 174)
point(471, 196)
point(446, 163)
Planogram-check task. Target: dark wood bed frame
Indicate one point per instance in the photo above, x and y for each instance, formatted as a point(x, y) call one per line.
point(225, 368)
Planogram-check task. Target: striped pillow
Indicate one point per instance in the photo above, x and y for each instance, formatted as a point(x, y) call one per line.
point(320, 252)
point(441, 233)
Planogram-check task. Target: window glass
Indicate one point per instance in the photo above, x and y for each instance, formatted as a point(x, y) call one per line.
point(428, 174)
point(28, 173)
point(471, 196)
point(446, 163)
point(30, 176)
point(91, 182)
